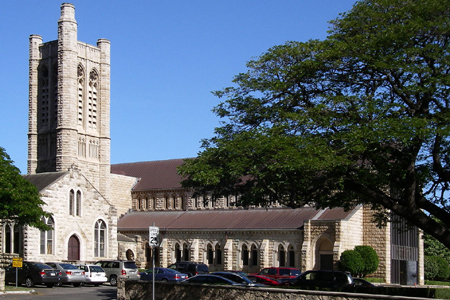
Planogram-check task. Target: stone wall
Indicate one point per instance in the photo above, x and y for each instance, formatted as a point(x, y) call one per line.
point(136, 290)
point(93, 207)
point(121, 192)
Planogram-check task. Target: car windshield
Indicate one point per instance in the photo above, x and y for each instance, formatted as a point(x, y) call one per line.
point(171, 271)
point(96, 269)
point(129, 265)
point(42, 266)
point(68, 267)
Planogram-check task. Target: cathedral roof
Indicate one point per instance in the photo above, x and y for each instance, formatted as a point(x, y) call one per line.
point(153, 175)
point(43, 180)
point(228, 219)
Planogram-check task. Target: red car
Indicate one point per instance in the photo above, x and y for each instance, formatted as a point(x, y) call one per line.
point(279, 272)
point(263, 280)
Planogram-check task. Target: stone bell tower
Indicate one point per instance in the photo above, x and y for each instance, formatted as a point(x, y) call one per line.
point(69, 104)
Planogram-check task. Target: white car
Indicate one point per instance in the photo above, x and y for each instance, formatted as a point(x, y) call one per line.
point(94, 274)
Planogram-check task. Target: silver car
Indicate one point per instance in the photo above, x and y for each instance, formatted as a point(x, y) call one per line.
point(69, 273)
point(115, 269)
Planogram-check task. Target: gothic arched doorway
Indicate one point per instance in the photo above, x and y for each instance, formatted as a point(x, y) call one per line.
point(74, 248)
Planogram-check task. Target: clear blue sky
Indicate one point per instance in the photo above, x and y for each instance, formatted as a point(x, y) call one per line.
point(166, 58)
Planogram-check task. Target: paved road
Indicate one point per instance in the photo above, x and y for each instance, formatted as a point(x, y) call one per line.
point(104, 292)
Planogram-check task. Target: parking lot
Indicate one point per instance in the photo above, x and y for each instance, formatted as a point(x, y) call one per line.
point(103, 292)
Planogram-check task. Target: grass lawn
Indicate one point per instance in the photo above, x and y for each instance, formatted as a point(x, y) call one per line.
point(13, 288)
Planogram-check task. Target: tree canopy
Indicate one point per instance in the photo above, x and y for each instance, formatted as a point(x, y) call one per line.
point(19, 199)
point(360, 117)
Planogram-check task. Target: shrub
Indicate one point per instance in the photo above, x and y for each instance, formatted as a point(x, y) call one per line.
point(430, 267)
point(351, 261)
point(443, 270)
point(370, 259)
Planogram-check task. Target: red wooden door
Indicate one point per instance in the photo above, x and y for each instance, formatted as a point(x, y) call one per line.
point(74, 248)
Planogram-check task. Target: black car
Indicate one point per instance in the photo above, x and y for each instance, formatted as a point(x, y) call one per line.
point(238, 278)
point(190, 268)
point(323, 279)
point(33, 273)
point(211, 279)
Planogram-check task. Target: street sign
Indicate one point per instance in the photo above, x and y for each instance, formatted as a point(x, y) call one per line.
point(17, 262)
point(153, 239)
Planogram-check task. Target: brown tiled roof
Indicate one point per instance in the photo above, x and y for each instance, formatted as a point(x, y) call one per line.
point(153, 175)
point(225, 219)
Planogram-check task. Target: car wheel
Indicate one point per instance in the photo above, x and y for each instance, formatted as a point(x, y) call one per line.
point(96, 284)
point(164, 280)
point(29, 282)
point(113, 280)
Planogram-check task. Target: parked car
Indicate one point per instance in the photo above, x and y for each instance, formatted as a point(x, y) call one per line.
point(264, 280)
point(119, 269)
point(210, 279)
point(238, 278)
point(69, 273)
point(362, 282)
point(332, 280)
point(33, 273)
point(279, 272)
point(94, 274)
point(163, 274)
point(190, 268)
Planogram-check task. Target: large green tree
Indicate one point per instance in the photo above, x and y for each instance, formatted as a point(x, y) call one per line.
point(19, 199)
point(360, 117)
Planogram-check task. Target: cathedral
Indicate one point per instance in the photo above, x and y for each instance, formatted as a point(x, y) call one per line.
point(103, 211)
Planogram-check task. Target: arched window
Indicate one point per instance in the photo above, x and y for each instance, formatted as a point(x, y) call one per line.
point(218, 255)
point(81, 82)
point(99, 238)
point(78, 203)
point(281, 256)
point(254, 255)
point(291, 256)
point(8, 238)
point(245, 255)
point(210, 254)
point(92, 99)
point(186, 252)
point(177, 252)
point(47, 237)
point(12, 242)
point(71, 202)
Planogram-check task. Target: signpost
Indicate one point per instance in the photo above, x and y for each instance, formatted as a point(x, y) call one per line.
point(153, 241)
point(17, 263)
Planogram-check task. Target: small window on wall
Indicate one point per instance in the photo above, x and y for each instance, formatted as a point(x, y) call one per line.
point(78, 204)
point(12, 242)
point(47, 236)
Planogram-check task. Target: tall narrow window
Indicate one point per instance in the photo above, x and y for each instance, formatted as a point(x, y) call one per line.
point(210, 254)
point(81, 81)
point(177, 252)
point(71, 202)
point(254, 256)
point(45, 107)
point(7, 238)
point(99, 238)
point(291, 256)
point(92, 99)
point(218, 255)
point(281, 256)
point(245, 255)
point(47, 237)
point(78, 203)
